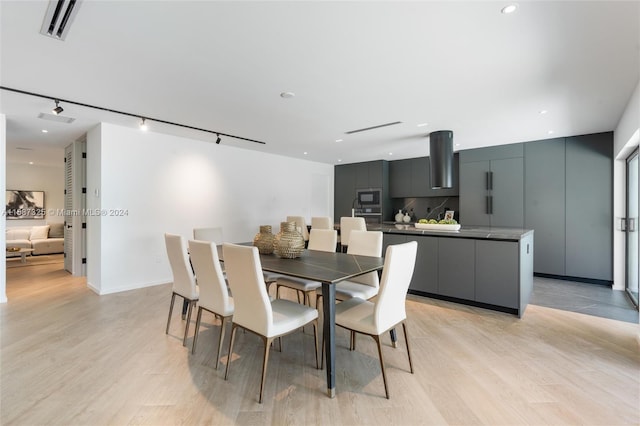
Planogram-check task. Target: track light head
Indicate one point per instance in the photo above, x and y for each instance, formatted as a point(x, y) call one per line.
point(218, 140)
point(143, 125)
point(58, 109)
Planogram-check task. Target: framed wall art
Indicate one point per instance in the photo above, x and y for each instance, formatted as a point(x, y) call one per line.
point(24, 204)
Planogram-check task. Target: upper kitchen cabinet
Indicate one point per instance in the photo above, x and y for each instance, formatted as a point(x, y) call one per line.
point(350, 177)
point(411, 178)
point(492, 186)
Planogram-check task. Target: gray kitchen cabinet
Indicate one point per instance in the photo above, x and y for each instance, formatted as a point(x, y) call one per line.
point(400, 178)
point(344, 190)
point(411, 178)
point(589, 205)
point(492, 186)
point(497, 269)
point(456, 268)
point(507, 192)
point(425, 274)
point(544, 204)
point(350, 177)
point(473, 194)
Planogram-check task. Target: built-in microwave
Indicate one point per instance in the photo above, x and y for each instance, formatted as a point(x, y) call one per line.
point(369, 197)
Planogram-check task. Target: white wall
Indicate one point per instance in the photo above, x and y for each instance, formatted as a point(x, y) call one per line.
point(3, 224)
point(625, 139)
point(169, 184)
point(49, 179)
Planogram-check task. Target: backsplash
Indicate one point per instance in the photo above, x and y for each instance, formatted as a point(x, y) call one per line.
point(425, 207)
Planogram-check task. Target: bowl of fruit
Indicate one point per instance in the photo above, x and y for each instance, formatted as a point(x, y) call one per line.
point(438, 225)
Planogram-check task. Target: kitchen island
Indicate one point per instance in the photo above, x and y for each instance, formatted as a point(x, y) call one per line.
point(479, 266)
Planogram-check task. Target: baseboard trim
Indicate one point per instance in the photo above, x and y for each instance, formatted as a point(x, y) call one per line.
point(577, 279)
point(465, 302)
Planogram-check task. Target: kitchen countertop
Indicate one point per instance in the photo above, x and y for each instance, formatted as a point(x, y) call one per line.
point(472, 232)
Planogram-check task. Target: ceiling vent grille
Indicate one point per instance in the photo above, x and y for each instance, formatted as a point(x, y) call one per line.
point(59, 17)
point(57, 118)
point(372, 127)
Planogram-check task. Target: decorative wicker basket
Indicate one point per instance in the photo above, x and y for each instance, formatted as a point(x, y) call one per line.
point(288, 243)
point(264, 240)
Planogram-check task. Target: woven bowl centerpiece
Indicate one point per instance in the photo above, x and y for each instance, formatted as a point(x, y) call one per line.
point(264, 240)
point(288, 243)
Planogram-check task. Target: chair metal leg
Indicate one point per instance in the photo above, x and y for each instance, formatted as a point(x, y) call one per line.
point(173, 299)
point(267, 345)
point(406, 339)
point(315, 342)
point(186, 328)
point(233, 336)
point(220, 340)
point(394, 337)
point(195, 333)
point(384, 373)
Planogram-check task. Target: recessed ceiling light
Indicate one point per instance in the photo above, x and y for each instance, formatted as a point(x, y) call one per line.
point(551, 132)
point(457, 144)
point(30, 162)
point(45, 131)
point(339, 140)
point(391, 153)
point(287, 95)
point(544, 111)
point(509, 9)
point(305, 153)
point(339, 160)
point(423, 124)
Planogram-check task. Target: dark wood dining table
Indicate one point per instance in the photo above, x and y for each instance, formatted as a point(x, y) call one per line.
point(328, 268)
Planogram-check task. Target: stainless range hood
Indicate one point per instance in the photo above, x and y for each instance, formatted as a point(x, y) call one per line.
point(441, 159)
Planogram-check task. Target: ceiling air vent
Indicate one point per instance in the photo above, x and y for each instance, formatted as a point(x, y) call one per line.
point(57, 118)
point(59, 17)
point(373, 127)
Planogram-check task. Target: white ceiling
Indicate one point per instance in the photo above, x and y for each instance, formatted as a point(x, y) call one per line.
point(460, 66)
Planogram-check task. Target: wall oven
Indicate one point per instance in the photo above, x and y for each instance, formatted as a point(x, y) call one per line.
point(368, 204)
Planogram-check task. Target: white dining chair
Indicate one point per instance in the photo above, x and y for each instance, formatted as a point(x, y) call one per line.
point(321, 222)
point(321, 240)
point(214, 295)
point(301, 224)
point(363, 243)
point(388, 310)
point(184, 282)
point(208, 234)
point(253, 309)
point(348, 224)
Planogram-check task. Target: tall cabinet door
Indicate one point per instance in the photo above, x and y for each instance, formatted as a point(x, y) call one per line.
point(589, 180)
point(507, 205)
point(473, 193)
point(544, 203)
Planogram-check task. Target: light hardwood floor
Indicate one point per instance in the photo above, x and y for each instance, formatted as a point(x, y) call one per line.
point(70, 357)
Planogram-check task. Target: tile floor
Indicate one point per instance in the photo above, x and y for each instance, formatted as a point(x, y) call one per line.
point(588, 299)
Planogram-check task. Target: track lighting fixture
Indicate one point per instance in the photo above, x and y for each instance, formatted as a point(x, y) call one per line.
point(58, 109)
point(143, 125)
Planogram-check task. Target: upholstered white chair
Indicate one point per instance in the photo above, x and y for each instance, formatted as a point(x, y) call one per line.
point(388, 310)
point(321, 240)
point(363, 243)
point(253, 309)
point(348, 224)
point(321, 222)
point(184, 282)
point(300, 223)
point(208, 234)
point(214, 295)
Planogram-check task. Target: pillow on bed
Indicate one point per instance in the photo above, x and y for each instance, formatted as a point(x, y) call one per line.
point(39, 232)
